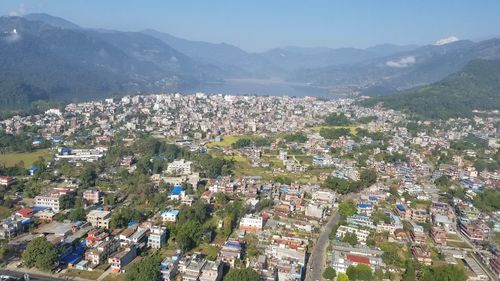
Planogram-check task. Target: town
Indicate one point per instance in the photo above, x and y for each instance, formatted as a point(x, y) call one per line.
point(210, 187)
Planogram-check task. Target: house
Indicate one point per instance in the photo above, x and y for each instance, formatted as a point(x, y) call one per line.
point(157, 237)
point(92, 196)
point(438, 235)
point(251, 223)
point(51, 199)
point(46, 215)
point(24, 213)
point(123, 257)
point(365, 208)
point(101, 251)
point(94, 237)
point(360, 220)
point(422, 254)
point(211, 271)
point(417, 233)
point(169, 216)
point(169, 267)
point(179, 167)
point(361, 235)
point(177, 193)
point(98, 218)
point(7, 181)
point(230, 251)
point(476, 230)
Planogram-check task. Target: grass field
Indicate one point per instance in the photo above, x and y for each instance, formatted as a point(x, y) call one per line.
point(11, 159)
point(91, 275)
point(225, 142)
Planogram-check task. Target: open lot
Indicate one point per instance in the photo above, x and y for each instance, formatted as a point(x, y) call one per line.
point(11, 159)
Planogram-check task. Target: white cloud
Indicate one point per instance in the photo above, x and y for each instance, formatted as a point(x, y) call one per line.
point(445, 41)
point(21, 11)
point(402, 62)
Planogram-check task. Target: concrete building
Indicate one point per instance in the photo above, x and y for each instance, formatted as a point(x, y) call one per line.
point(157, 237)
point(98, 218)
point(251, 223)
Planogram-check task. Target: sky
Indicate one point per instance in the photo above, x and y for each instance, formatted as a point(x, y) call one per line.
point(259, 25)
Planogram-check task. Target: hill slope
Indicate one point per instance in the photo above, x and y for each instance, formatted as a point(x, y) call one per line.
point(475, 87)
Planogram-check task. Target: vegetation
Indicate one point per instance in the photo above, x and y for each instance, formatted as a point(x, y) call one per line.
point(347, 208)
point(335, 119)
point(329, 273)
point(447, 272)
point(40, 253)
point(342, 186)
point(299, 137)
point(145, 270)
point(473, 88)
point(246, 274)
point(488, 200)
point(361, 272)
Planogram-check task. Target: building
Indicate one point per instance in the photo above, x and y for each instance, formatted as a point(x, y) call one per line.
point(361, 235)
point(101, 251)
point(179, 167)
point(438, 235)
point(360, 220)
point(92, 196)
point(98, 218)
point(157, 237)
point(7, 181)
point(422, 254)
point(475, 230)
point(417, 233)
point(211, 271)
point(251, 223)
point(177, 193)
point(230, 252)
point(119, 260)
point(49, 200)
point(169, 216)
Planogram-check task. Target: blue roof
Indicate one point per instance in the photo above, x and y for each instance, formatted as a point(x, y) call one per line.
point(400, 207)
point(177, 190)
point(364, 205)
point(73, 257)
point(373, 198)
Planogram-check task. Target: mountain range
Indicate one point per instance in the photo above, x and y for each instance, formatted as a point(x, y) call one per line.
point(46, 57)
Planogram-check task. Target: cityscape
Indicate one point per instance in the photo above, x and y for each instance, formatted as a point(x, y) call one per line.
point(124, 157)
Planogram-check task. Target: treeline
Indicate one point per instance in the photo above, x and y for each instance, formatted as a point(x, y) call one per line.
point(14, 142)
point(252, 141)
point(367, 177)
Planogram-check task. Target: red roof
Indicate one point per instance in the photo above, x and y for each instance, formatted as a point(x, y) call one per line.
point(25, 212)
point(358, 259)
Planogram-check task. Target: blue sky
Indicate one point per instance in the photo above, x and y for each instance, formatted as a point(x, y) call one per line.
point(257, 25)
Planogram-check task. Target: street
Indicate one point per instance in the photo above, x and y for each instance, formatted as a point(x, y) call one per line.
point(33, 277)
point(316, 262)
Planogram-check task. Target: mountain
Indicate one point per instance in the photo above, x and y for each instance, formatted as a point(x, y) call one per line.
point(294, 58)
point(403, 70)
point(51, 20)
point(78, 64)
point(475, 87)
point(237, 62)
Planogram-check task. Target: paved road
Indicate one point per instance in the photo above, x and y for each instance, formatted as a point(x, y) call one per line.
point(316, 264)
point(33, 277)
point(475, 254)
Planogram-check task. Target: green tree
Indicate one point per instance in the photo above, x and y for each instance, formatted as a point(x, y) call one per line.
point(347, 208)
point(360, 272)
point(245, 274)
point(447, 272)
point(329, 273)
point(145, 270)
point(40, 253)
point(342, 277)
point(409, 274)
point(188, 235)
point(350, 238)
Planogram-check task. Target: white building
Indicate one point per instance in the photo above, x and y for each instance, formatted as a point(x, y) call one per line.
point(251, 223)
point(362, 235)
point(179, 167)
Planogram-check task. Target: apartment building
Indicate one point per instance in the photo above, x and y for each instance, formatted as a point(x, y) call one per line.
point(98, 218)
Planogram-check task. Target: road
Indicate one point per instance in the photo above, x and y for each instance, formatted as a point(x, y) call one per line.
point(33, 277)
point(317, 262)
point(475, 255)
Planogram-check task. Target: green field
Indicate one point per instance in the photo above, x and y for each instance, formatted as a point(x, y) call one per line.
point(11, 159)
point(225, 142)
point(4, 212)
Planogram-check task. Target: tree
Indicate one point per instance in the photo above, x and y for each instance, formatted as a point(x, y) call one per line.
point(409, 274)
point(145, 270)
point(361, 272)
point(329, 273)
point(40, 253)
point(347, 208)
point(342, 277)
point(350, 238)
point(246, 274)
point(368, 177)
point(447, 272)
point(188, 235)
point(335, 119)
point(77, 214)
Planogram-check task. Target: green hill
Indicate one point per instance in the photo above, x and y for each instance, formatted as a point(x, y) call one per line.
point(475, 87)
